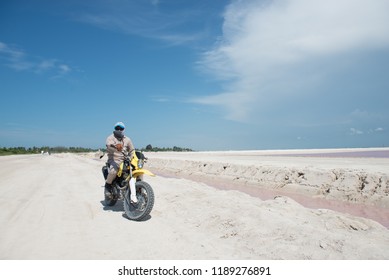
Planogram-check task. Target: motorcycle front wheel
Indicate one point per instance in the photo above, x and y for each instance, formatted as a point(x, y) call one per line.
point(142, 209)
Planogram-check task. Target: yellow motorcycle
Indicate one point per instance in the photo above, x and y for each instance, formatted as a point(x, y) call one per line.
point(137, 195)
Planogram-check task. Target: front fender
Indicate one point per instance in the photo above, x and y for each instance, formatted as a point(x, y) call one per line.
point(137, 173)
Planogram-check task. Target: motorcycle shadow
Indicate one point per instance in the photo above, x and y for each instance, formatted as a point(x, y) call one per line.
point(148, 217)
point(118, 207)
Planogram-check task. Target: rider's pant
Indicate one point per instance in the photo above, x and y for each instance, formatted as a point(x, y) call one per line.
point(112, 171)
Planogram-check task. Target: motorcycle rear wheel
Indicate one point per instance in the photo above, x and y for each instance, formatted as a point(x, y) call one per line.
point(110, 196)
point(142, 209)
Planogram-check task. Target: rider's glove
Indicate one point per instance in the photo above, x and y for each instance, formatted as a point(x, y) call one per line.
point(119, 147)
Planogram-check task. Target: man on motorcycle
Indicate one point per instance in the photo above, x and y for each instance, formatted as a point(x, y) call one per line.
point(118, 145)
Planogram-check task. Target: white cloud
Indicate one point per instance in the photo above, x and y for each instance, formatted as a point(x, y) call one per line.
point(161, 99)
point(366, 117)
point(263, 43)
point(19, 60)
point(64, 68)
point(354, 131)
point(12, 52)
point(155, 2)
point(146, 19)
point(46, 65)
point(14, 57)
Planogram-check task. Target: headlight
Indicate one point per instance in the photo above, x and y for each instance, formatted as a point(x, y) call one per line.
point(140, 164)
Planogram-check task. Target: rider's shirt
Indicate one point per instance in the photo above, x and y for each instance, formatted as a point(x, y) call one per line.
point(113, 153)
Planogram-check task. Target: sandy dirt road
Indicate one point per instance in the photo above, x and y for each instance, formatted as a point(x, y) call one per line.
point(51, 208)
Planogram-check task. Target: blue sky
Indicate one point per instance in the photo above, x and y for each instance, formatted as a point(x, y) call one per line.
point(207, 75)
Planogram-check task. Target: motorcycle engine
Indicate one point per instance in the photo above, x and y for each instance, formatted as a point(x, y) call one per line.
point(123, 183)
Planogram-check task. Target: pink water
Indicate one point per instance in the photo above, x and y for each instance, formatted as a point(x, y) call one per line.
point(352, 154)
point(379, 214)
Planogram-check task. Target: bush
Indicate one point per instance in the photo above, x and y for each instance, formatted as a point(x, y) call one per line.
point(36, 150)
point(150, 148)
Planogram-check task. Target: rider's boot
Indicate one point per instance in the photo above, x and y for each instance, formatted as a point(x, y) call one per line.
point(133, 191)
point(108, 189)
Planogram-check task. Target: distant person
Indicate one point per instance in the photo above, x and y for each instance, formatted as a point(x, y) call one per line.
point(118, 146)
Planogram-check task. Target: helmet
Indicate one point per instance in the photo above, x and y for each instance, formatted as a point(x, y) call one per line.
point(119, 125)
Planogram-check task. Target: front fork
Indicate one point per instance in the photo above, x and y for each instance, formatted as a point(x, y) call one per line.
point(133, 190)
point(131, 184)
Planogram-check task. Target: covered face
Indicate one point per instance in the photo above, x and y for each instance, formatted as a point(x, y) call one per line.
point(119, 130)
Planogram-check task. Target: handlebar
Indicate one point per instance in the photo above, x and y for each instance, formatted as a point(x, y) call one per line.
point(113, 146)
